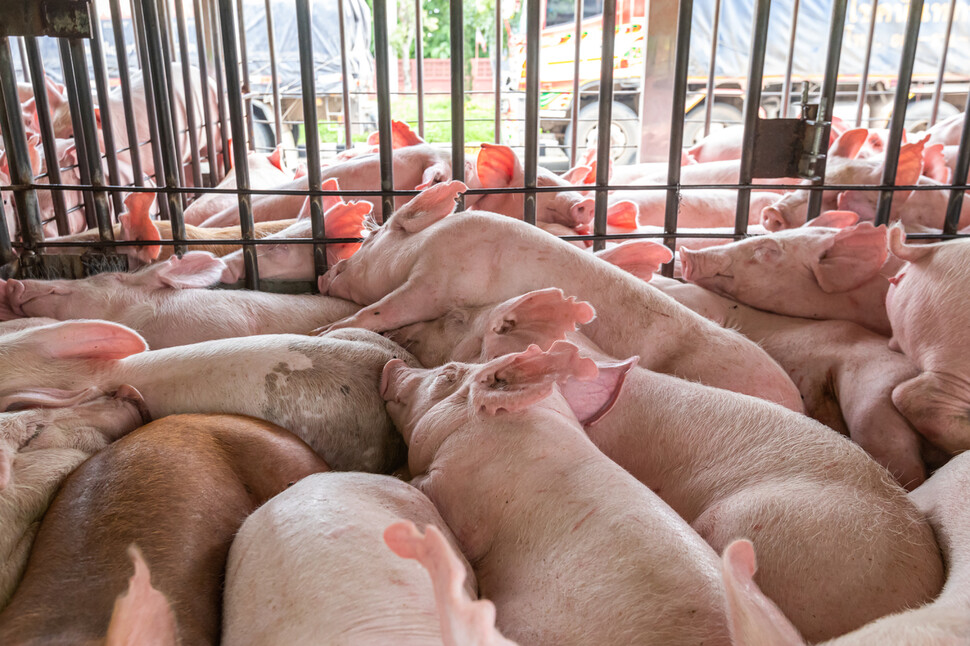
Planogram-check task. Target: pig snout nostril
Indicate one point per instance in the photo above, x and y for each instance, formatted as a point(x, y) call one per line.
point(771, 219)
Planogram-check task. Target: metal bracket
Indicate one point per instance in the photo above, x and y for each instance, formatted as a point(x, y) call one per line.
point(59, 18)
point(70, 266)
point(790, 147)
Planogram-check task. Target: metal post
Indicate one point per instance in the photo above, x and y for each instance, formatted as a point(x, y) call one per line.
point(274, 73)
point(107, 129)
point(752, 103)
point(246, 225)
point(827, 100)
point(786, 88)
point(577, 100)
point(709, 100)
point(532, 106)
point(70, 85)
point(604, 128)
point(217, 45)
point(896, 121)
point(384, 109)
point(246, 88)
point(166, 73)
point(938, 88)
point(457, 91)
point(345, 76)
point(134, 148)
point(135, 29)
point(955, 205)
point(864, 80)
point(305, 34)
point(419, 61)
point(24, 71)
point(189, 94)
point(210, 140)
point(6, 248)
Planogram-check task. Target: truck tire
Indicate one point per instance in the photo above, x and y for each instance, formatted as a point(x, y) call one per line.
point(264, 139)
point(623, 140)
point(722, 116)
point(918, 114)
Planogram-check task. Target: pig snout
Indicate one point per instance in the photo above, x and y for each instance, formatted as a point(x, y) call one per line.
point(698, 265)
point(130, 395)
point(391, 377)
point(772, 219)
point(581, 213)
point(15, 297)
point(20, 294)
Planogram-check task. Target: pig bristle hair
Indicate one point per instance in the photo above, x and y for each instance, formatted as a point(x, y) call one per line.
point(370, 224)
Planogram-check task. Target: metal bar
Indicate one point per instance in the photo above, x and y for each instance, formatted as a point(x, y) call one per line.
point(419, 61)
point(166, 125)
point(6, 248)
point(210, 139)
point(24, 71)
point(189, 94)
point(37, 76)
point(83, 166)
point(224, 127)
point(107, 129)
point(164, 26)
point(827, 100)
point(165, 22)
point(92, 151)
point(938, 88)
point(305, 33)
point(15, 141)
point(709, 100)
point(246, 225)
point(577, 100)
point(135, 29)
point(955, 205)
point(532, 107)
point(896, 121)
point(681, 63)
point(245, 89)
point(864, 80)
point(344, 81)
point(604, 130)
point(384, 109)
point(121, 49)
point(274, 73)
point(789, 61)
point(752, 103)
point(457, 91)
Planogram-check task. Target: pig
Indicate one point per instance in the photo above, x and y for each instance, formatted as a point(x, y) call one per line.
point(831, 269)
point(401, 137)
point(265, 172)
point(179, 488)
point(950, 157)
point(589, 555)
point(68, 165)
point(924, 304)
point(325, 390)
point(947, 132)
point(726, 143)
point(166, 304)
point(696, 209)
point(142, 612)
point(344, 585)
point(915, 210)
point(756, 621)
point(419, 243)
point(725, 477)
point(39, 447)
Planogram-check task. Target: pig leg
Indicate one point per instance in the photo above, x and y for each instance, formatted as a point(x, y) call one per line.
point(410, 303)
point(937, 406)
point(876, 426)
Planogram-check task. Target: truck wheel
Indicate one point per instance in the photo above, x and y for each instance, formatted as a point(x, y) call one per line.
point(623, 134)
point(722, 116)
point(918, 114)
point(264, 139)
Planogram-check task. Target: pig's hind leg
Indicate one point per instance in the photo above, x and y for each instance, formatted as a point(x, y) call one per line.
point(410, 303)
point(938, 406)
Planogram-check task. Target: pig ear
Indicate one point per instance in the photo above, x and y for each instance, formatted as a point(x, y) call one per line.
point(591, 400)
point(300, 171)
point(137, 225)
point(642, 258)
point(345, 221)
point(34, 154)
point(402, 136)
point(849, 143)
point(99, 340)
point(903, 251)
point(517, 381)
point(433, 174)
point(194, 270)
point(622, 214)
point(330, 201)
point(543, 316)
point(47, 398)
point(857, 202)
point(934, 165)
point(856, 254)
point(910, 165)
point(142, 615)
point(834, 219)
point(752, 617)
point(276, 157)
point(428, 207)
point(497, 166)
point(576, 175)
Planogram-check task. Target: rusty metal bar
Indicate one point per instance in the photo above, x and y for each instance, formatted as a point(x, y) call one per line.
point(246, 87)
point(955, 204)
point(498, 73)
point(135, 29)
point(121, 49)
point(274, 73)
point(345, 76)
point(938, 88)
point(24, 71)
point(531, 108)
point(210, 139)
point(384, 109)
point(457, 91)
point(107, 126)
point(189, 93)
point(604, 132)
point(217, 44)
point(164, 25)
point(83, 163)
point(574, 117)
point(305, 34)
point(864, 80)
point(789, 60)
point(709, 100)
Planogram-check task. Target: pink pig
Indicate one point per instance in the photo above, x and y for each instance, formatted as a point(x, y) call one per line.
point(430, 264)
point(589, 555)
point(697, 209)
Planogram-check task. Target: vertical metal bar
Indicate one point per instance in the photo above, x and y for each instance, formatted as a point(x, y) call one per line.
point(709, 100)
point(246, 88)
point(604, 129)
point(24, 71)
point(752, 103)
point(574, 117)
point(896, 121)
point(384, 108)
point(107, 129)
point(70, 85)
point(789, 61)
point(37, 76)
point(136, 27)
point(827, 100)
point(165, 22)
point(274, 73)
point(6, 248)
point(121, 49)
point(419, 62)
point(217, 45)
point(156, 60)
point(210, 139)
point(955, 205)
point(532, 106)
point(681, 62)
point(348, 134)
point(305, 33)
point(166, 73)
point(938, 88)
point(92, 150)
point(15, 140)
point(864, 80)
point(189, 93)
point(247, 228)
point(457, 91)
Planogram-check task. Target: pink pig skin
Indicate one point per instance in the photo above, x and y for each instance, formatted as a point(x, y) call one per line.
point(572, 528)
point(166, 304)
point(756, 621)
point(819, 272)
point(263, 173)
point(343, 585)
point(727, 480)
point(925, 307)
point(697, 209)
point(947, 132)
point(431, 264)
point(324, 389)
